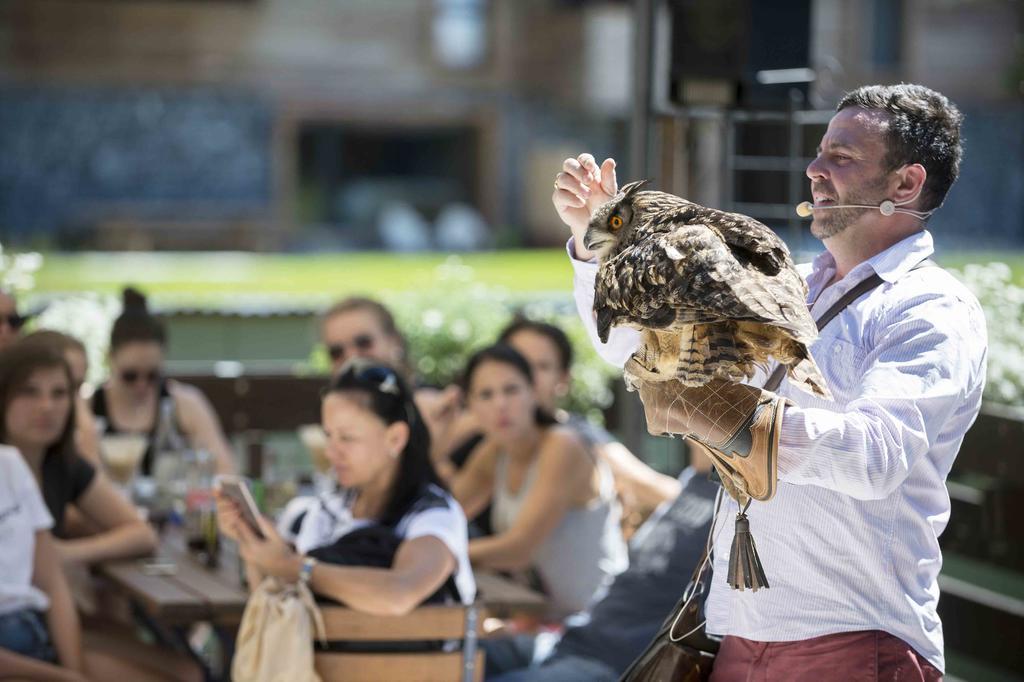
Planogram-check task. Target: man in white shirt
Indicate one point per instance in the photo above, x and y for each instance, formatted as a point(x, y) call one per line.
point(850, 540)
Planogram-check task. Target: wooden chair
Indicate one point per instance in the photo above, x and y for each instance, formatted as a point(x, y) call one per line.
point(425, 624)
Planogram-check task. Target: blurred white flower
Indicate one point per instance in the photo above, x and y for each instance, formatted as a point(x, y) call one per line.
point(1003, 303)
point(87, 317)
point(17, 271)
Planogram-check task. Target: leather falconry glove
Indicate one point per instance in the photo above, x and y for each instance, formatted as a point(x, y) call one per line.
point(738, 427)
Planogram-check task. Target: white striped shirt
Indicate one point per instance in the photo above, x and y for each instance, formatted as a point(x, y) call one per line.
point(850, 540)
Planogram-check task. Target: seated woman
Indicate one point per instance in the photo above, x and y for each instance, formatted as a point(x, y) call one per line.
point(38, 419)
point(554, 508)
point(138, 399)
point(39, 634)
point(87, 439)
point(379, 447)
point(35, 390)
point(641, 489)
point(362, 327)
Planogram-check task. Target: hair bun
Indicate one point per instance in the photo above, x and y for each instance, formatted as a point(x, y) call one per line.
point(134, 301)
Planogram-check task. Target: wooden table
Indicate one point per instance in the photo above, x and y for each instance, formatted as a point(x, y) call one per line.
point(190, 594)
point(194, 593)
point(502, 598)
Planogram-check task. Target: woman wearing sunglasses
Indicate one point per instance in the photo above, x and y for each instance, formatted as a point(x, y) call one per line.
point(137, 398)
point(358, 327)
point(379, 447)
point(554, 512)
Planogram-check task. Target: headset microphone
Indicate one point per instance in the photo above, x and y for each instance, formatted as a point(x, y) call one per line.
point(806, 209)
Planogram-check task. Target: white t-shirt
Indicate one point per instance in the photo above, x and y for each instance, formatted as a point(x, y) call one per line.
point(22, 513)
point(311, 522)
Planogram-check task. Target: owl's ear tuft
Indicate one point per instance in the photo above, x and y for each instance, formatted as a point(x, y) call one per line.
point(630, 188)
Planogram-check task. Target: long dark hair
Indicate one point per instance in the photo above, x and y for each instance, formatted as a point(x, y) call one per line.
point(387, 395)
point(135, 324)
point(17, 364)
point(506, 355)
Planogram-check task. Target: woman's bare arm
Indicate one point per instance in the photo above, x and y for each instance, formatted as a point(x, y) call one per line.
point(202, 427)
point(420, 568)
point(61, 618)
point(473, 485)
point(121, 533)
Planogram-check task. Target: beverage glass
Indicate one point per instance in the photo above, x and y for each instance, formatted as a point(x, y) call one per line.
point(121, 454)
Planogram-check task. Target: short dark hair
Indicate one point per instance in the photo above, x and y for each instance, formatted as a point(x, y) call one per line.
point(17, 364)
point(385, 393)
point(549, 331)
point(135, 324)
point(924, 128)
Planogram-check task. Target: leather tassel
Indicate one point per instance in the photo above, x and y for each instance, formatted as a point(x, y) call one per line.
point(745, 570)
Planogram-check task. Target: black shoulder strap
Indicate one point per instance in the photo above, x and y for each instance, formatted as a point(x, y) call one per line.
point(863, 287)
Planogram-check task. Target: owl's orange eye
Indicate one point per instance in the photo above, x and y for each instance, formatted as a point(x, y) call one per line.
point(615, 222)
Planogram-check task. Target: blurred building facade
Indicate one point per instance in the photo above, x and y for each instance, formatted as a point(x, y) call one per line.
point(296, 124)
point(266, 123)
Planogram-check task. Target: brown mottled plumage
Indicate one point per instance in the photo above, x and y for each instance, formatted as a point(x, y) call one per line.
point(715, 293)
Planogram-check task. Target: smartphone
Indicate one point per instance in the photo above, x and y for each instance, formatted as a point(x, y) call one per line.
point(237, 489)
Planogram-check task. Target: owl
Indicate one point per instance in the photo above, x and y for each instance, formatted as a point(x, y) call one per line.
point(714, 294)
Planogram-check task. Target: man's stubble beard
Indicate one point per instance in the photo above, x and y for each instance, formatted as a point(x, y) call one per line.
point(831, 222)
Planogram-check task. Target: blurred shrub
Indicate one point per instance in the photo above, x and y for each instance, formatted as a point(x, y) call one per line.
point(1003, 303)
point(88, 317)
point(17, 270)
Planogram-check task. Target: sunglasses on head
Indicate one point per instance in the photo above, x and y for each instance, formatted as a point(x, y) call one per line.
point(382, 379)
point(385, 378)
point(14, 320)
point(363, 342)
point(130, 376)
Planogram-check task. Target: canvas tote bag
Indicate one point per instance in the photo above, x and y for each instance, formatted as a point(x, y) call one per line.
point(275, 638)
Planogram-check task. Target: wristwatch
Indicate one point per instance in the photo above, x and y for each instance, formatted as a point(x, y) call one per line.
point(306, 570)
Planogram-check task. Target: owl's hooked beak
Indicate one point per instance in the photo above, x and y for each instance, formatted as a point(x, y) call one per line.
point(598, 240)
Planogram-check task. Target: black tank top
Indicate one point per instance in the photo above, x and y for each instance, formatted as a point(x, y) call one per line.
point(100, 409)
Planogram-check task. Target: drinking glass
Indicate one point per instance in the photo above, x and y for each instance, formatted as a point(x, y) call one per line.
point(121, 454)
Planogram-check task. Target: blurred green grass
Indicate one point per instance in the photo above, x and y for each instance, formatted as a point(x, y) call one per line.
point(958, 259)
point(301, 274)
point(214, 275)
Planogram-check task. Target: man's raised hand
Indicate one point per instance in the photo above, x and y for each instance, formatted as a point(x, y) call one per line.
point(580, 188)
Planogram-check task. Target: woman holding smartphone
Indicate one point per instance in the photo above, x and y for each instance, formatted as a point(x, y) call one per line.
point(379, 448)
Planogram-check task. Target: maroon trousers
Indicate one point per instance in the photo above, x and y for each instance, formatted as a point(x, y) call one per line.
point(868, 656)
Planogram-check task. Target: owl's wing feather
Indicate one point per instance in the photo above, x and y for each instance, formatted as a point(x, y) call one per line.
point(689, 275)
point(729, 288)
point(750, 240)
